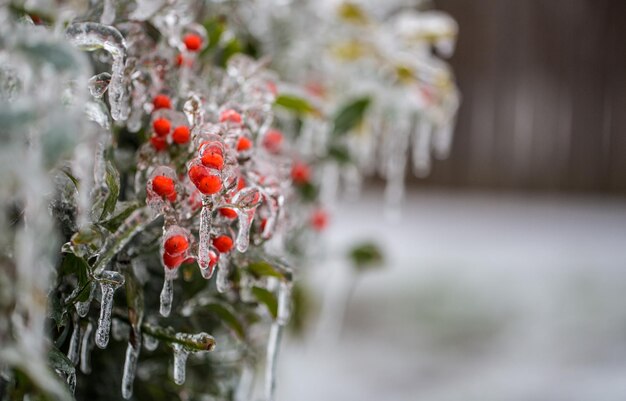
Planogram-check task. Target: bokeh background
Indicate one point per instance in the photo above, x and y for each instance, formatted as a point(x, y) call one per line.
point(505, 274)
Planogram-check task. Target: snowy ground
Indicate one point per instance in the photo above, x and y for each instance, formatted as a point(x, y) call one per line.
point(485, 297)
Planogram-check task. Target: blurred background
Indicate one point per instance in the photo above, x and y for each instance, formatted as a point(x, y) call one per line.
point(504, 276)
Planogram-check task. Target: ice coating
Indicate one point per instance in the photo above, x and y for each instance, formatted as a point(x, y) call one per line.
point(284, 303)
point(109, 282)
point(150, 343)
point(130, 367)
point(73, 350)
point(108, 12)
point(180, 363)
point(271, 359)
point(82, 307)
point(98, 84)
point(221, 282)
point(85, 349)
point(167, 293)
point(204, 234)
point(91, 36)
point(160, 204)
point(246, 202)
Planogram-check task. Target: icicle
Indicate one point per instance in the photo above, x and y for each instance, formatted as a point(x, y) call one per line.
point(91, 36)
point(167, 293)
point(97, 112)
point(204, 257)
point(150, 343)
point(180, 363)
point(421, 147)
point(193, 110)
point(271, 359)
point(109, 282)
point(73, 349)
point(85, 350)
point(108, 12)
point(98, 84)
point(284, 303)
point(246, 200)
point(82, 308)
point(130, 367)
point(223, 271)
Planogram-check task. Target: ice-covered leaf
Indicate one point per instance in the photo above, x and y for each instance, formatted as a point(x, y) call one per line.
point(295, 104)
point(59, 361)
point(112, 180)
point(124, 210)
point(350, 115)
point(366, 255)
point(226, 314)
point(264, 269)
point(268, 299)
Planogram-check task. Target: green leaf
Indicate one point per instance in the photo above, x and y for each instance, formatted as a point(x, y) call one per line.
point(125, 210)
point(339, 153)
point(56, 312)
point(112, 180)
point(59, 361)
point(73, 264)
point(350, 115)
point(70, 176)
point(264, 269)
point(267, 298)
point(366, 255)
point(295, 104)
point(226, 314)
point(134, 300)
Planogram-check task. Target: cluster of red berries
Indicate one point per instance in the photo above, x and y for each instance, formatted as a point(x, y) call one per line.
point(163, 128)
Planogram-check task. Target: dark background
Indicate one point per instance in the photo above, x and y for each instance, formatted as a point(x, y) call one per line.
point(544, 96)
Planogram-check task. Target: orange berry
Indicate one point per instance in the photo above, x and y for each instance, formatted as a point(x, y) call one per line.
point(158, 143)
point(223, 243)
point(162, 126)
point(161, 102)
point(210, 184)
point(300, 173)
point(172, 261)
point(181, 134)
point(163, 186)
point(319, 220)
point(231, 116)
point(273, 140)
point(228, 213)
point(213, 159)
point(196, 173)
point(244, 144)
point(192, 42)
point(176, 245)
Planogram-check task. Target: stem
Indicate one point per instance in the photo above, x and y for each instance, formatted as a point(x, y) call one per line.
point(189, 341)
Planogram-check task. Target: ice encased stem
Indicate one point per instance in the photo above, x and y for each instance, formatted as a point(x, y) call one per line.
point(204, 256)
point(85, 350)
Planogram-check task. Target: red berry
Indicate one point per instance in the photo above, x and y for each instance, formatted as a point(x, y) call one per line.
point(300, 173)
point(213, 159)
point(244, 144)
point(223, 243)
point(272, 87)
point(319, 220)
point(196, 173)
point(210, 184)
point(181, 134)
point(176, 245)
point(241, 184)
point(158, 143)
point(162, 126)
point(161, 102)
point(163, 186)
point(172, 261)
point(213, 258)
point(273, 140)
point(231, 116)
point(192, 42)
point(228, 213)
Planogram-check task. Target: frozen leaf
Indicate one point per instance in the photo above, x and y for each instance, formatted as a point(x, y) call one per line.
point(268, 299)
point(350, 115)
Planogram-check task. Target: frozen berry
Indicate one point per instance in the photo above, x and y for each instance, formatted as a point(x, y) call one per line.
point(172, 261)
point(244, 144)
point(213, 258)
point(196, 173)
point(319, 220)
point(162, 126)
point(161, 102)
point(158, 143)
point(163, 186)
point(210, 184)
point(300, 173)
point(228, 213)
point(223, 243)
point(231, 116)
point(181, 135)
point(176, 245)
point(193, 42)
point(213, 159)
point(273, 141)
